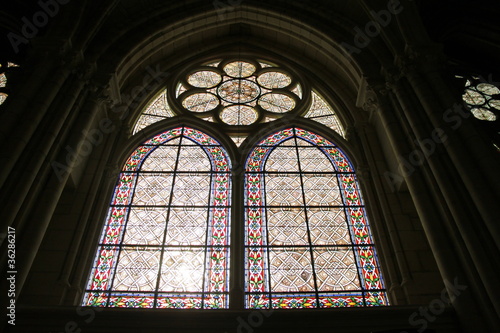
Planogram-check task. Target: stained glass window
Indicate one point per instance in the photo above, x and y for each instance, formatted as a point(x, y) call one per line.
point(238, 94)
point(307, 239)
point(165, 243)
point(321, 112)
point(483, 99)
point(156, 111)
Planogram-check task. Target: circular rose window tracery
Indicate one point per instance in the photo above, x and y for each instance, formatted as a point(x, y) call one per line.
point(239, 93)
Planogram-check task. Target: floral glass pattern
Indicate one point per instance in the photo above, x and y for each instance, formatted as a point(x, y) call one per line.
point(165, 243)
point(307, 239)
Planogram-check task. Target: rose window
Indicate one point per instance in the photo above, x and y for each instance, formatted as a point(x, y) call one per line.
point(239, 93)
point(483, 99)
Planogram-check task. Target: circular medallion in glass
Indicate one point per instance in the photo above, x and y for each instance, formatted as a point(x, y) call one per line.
point(483, 114)
point(239, 115)
point(488, 89)
point(200, 102)
point(204, 79)
point(274, 80)
point(238, 91)
point(239, 69)
point(277, 103)
point(473, 97)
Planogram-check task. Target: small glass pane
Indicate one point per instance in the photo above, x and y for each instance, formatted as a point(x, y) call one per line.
point(213, 64)
point(201, 102)
point(162, 158)
point(297, 90)
point(187, 226)
point(3, 97)
point(137, 269)
point(283, 190)
point(488, 89)
point(321, 190)
point(314, 160)
point(239, 91)
point(240, 69)
point(483, 114)
point(193, 158)
point(283, 159)
point(278, 103)
point(146, 226)
point(287, 226)
point(180, 90)
point(238, 140)
point(291, 270)
point(328, 226)
point(473, 97)
point(182, 270)
point(239, 115)
point(159, 107)
point(204, 79)
point(321, 112)
point(494, 103)
point(153, 190)
point(335, 269)
point(191, 190)
point(273, 80)
point(145, 121)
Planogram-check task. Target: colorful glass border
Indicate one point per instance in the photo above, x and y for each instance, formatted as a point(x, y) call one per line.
point(215, 296)
point(371, 292)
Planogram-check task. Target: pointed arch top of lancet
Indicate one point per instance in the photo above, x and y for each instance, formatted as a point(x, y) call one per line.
point(258, 156)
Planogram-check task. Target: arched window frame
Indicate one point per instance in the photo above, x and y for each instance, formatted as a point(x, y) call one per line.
point(169, 112)
point(258, 290)
point(100, 292)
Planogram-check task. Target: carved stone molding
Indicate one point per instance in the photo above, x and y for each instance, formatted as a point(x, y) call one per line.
point(367, 97)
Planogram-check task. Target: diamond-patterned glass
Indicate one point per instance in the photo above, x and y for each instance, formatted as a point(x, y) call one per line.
point(165, 243)
point(307, 238)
